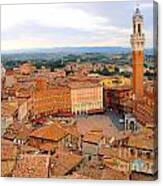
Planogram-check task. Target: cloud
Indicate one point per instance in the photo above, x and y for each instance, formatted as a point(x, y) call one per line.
point(50, 16)
point(49, 25)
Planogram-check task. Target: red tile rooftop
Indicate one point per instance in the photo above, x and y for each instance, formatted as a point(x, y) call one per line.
point(110, 154)
point(144, 140)
point(63, 162)
point(90, 171)
point(7, 168)
point(53, 132)
point(9, 108)
point(9, 150)
point(122, 135)
point(94, 136)
point(33, 166)
point(17, 130)
point(114, 152)
point(88, 84)
point(111, 174)
point(9, 72)
point(71, 129)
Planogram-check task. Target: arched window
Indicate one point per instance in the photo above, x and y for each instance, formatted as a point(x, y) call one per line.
point(139, 29)
point(134, 28)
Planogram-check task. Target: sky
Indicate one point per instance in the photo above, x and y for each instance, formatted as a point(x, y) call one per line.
point(72, 24)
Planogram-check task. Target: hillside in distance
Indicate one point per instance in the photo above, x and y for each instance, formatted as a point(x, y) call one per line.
point(76, 50)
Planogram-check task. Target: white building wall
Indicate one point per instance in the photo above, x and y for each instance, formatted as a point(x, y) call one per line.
point(85, 99)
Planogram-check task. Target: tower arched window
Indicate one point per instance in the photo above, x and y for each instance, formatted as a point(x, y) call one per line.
point(134, 28)
point(139, 29)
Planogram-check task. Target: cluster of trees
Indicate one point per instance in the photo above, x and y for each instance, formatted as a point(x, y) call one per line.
point(106, 72)
point(11, 64)
point(52, 64)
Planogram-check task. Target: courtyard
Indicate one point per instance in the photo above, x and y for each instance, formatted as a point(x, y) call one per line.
point(98, 122)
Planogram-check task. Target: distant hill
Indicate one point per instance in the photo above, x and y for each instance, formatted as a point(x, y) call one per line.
point(77, 50)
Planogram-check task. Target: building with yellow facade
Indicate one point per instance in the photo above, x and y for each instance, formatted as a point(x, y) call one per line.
point(115, 81)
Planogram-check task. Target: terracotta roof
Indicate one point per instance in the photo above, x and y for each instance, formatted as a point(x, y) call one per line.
point(9, 72)
point(51, 92)
point(94, 136)
point(84, 84)
point(120, 153)
point(17, 130)
point(145, 140)
point(63, 162)
point(53, 132)
point(34, 166)
point(7, 168)
point(9, 108)
point(71, 129)
point(90, 171)
point(122, 135)
point(8, 150)
point(109, 152)
point(114, 175)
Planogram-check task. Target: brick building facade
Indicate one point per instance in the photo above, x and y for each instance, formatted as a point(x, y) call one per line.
point(51, 101)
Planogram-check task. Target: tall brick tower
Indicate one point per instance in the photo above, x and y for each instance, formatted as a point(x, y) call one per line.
point(137, 42)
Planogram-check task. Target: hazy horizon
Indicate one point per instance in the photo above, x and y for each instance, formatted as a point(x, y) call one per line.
point(68, 47)
point(98, 24)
